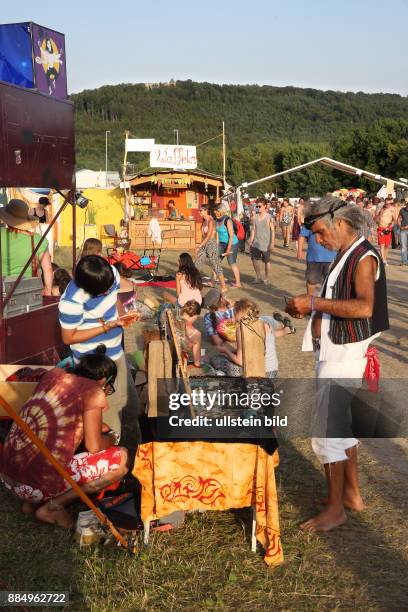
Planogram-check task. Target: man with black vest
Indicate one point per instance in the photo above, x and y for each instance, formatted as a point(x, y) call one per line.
point(349, 314)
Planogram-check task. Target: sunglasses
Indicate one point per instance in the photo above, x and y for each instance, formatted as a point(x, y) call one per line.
point(311, 219)
point(108, 387)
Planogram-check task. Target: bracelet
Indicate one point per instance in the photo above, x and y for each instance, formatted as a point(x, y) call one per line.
point(115, 436)
point(312, 303)
point(104, 325)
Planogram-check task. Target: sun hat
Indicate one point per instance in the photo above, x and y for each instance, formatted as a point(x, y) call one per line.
point(211, 298)
point(16, 214)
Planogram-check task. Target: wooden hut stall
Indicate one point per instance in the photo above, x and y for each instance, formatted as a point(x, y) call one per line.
point(150, 194)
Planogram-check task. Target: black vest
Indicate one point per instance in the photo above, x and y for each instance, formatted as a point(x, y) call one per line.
point(344, 331)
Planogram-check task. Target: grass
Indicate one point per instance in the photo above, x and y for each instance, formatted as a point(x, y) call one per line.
point(208, 564)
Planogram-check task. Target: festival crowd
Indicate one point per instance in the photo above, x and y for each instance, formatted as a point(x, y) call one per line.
point(79, 408)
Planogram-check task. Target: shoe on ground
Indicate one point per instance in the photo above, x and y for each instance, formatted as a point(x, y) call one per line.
point(257, 281)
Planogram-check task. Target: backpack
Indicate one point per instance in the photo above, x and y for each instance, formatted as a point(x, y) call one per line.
point(239, 230)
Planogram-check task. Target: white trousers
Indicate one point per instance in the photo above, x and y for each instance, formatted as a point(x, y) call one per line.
point(330, 450)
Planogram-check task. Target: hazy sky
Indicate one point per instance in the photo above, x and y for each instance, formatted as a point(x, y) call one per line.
point(347, 45)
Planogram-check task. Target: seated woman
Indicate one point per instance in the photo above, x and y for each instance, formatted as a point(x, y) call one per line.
point(230, 361)
point(65, 411)
point(192, 339)
point(188, 283)
point(219, 322)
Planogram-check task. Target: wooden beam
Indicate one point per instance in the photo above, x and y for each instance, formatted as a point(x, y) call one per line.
point(160, 365)
point(253, 348)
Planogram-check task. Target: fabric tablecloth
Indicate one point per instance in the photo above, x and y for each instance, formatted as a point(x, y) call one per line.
point(211, 476)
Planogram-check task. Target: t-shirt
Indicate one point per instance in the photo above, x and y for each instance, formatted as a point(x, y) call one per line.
point(315, 251)
point(403, 214)
point(263, 233)
point(56, 408)
point(16, 248)
point(220, 315)
point(79, 310)
point(222, 231)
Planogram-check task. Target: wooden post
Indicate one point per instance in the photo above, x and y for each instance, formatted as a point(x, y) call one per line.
point(253, 348)
point(160, 365)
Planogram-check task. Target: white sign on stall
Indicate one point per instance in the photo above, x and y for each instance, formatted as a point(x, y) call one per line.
point(173, 156)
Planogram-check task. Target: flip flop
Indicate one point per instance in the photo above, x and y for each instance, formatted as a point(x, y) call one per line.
point(278, 317)
point(288, 323)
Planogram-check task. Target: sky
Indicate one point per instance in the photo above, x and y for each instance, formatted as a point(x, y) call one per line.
point(342, 45)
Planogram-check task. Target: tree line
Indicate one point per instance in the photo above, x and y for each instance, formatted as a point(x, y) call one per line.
point(268, 130)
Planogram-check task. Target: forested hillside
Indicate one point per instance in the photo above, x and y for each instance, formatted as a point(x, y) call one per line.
point(268, 129)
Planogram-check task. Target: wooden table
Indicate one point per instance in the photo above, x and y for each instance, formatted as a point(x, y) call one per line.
point(211, 476)
point(176, 235)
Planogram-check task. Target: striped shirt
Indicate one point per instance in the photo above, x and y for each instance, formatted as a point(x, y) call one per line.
point(79, 310)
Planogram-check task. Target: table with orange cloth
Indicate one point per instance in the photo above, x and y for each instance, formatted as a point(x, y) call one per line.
point(211, 476)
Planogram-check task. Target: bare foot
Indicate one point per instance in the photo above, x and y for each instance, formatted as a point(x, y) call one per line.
point(28, 507)
point(62, 518)
point(328, 519)
point(351, 502)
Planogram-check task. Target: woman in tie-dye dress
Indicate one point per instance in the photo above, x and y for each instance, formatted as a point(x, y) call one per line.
point(66, 411)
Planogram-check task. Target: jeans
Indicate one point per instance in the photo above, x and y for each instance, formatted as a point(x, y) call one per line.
point(404, 246)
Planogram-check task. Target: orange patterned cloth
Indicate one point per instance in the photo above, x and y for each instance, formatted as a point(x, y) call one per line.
point(211, 476)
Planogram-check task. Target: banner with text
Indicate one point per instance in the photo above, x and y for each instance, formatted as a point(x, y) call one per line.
point(173, 156)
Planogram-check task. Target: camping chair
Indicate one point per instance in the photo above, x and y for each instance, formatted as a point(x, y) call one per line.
point(135, 263)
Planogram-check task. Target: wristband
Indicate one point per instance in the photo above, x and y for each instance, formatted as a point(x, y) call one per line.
point(104, 325)
point(312, 303)
point(114, 435)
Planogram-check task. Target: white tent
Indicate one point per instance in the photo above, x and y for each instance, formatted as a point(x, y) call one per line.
point(336, 165)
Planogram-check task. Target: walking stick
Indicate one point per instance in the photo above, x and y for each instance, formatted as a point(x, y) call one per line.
point(62, 471)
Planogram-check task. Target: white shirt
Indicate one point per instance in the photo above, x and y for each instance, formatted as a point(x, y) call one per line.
point(328, 350)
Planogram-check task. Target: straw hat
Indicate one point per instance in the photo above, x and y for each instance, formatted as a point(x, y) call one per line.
point(16, 214)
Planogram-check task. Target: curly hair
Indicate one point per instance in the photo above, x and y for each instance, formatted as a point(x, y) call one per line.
point(191, 308)
point(247, 308)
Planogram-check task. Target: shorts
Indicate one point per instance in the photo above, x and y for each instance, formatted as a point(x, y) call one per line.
point(384, 239)
point(83, 468)
point(232, 257)
point(257, 254)
point(316, 271)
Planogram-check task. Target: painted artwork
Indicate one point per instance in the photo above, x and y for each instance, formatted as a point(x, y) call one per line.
point(50, 67)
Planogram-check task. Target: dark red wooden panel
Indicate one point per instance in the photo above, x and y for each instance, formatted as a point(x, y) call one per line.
point(37, 143)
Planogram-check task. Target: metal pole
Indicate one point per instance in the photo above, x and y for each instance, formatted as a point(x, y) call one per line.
point(73, 239)
point(126, 211)
point(2, 321)
point(177, 136)
point(106, 157)
point(224, 152)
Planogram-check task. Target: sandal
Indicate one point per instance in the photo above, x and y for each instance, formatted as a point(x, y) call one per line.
point(278, 317)
point(288, 323)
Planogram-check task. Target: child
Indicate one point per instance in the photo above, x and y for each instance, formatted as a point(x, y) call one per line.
point(230, 361)
point(92, 246)
point(188, 283)
point(60, 281)
point(192, 339)
point(123, 237)
point(219, 322)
